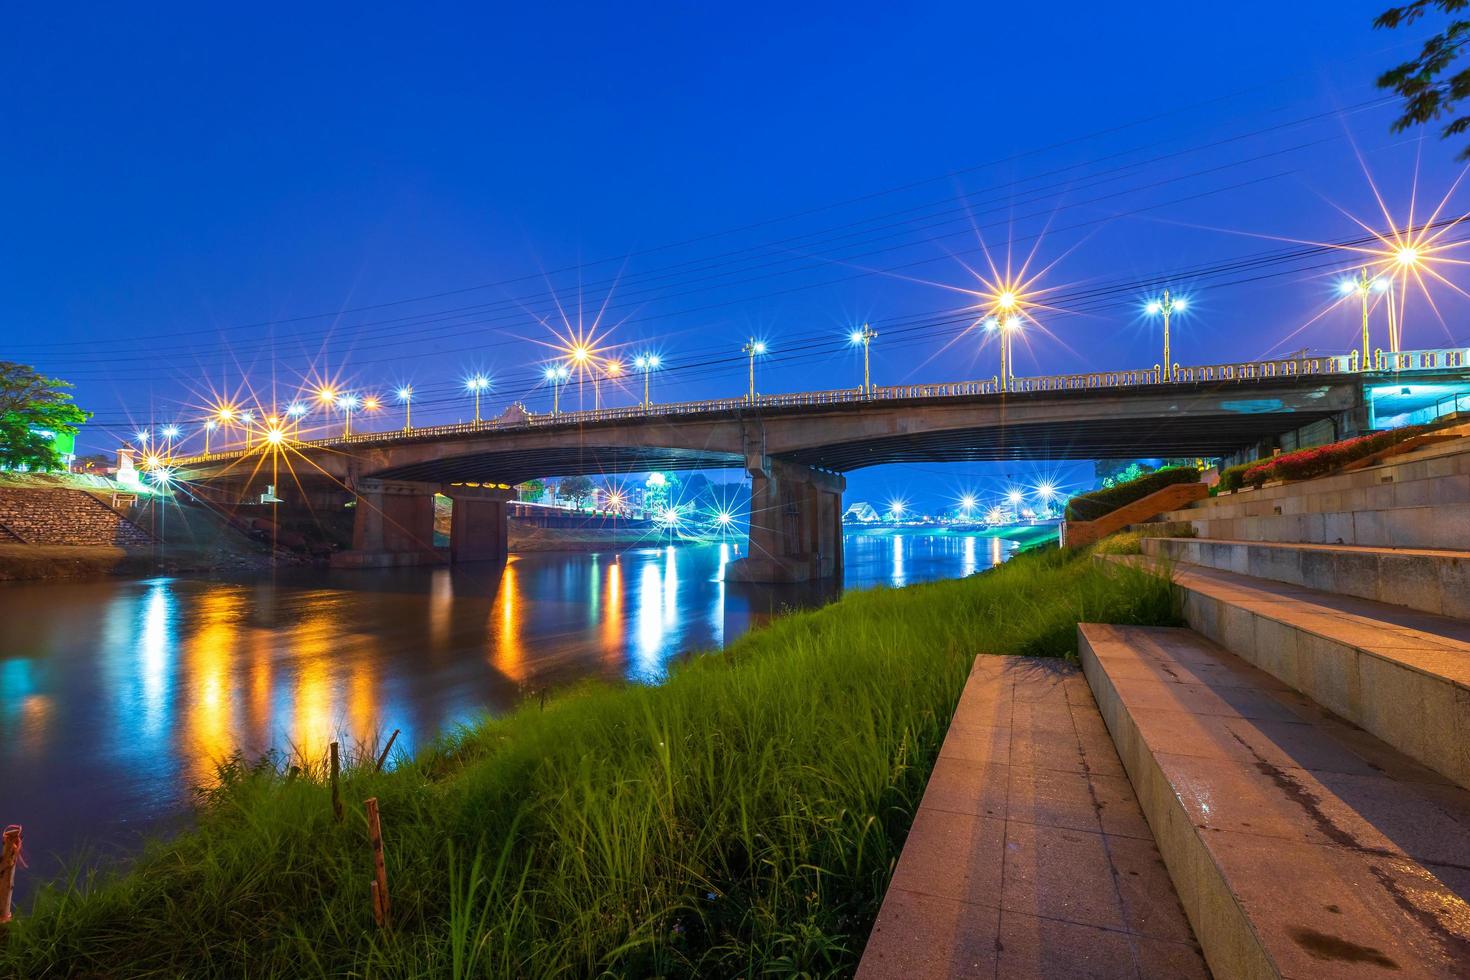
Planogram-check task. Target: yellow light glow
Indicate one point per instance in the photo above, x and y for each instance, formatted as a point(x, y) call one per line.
point(274, 436)
point(1006, 300)
point(581, 354)
point(326, 395)
point(370, 404)
point(1407, 256)
point(152, 462)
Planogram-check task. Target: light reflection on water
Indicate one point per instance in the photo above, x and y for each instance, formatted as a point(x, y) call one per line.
point(117, 697)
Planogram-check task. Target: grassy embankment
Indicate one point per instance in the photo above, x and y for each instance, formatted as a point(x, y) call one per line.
point(740, 820)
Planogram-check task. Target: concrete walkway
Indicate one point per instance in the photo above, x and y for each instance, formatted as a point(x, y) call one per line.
point(1029, 855)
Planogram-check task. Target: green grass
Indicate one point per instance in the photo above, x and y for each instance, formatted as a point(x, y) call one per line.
point(740, 820)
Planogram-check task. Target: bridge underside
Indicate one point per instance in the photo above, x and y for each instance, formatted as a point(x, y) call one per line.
point(519, 466)
point(1166, 436)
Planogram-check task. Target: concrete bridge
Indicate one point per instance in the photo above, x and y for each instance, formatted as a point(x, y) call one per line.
point(795, 447)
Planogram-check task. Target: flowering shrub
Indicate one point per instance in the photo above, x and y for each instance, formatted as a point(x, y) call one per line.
point(1320, 460)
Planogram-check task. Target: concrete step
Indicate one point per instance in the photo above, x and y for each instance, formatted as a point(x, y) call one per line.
point(1406, 503)
point(1029, 855)
point(1401, 674)
point(1300, 846)
point(1429, 580)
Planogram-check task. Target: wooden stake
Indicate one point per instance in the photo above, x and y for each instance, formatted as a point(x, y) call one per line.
point(380, 874)
point(384, 757)
point(336, 791)
point(9, 858)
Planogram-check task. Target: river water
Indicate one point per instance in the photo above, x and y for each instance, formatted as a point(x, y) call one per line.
point(118, 696)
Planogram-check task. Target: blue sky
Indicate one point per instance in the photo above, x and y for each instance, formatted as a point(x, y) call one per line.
point(193, 196)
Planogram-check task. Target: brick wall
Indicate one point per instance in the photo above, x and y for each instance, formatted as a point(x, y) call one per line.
point(54, 516)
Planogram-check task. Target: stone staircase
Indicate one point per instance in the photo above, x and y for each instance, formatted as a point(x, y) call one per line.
point(58, 516)
point(1302, 751)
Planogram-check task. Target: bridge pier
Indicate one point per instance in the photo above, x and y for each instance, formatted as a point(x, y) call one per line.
point(795, 524)
point(479, 530)
point(393, 525)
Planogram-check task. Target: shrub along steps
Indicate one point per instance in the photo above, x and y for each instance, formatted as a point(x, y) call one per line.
point(1429, 580)
point(1300, 846)
point(1401, 674)
point(1029, 856)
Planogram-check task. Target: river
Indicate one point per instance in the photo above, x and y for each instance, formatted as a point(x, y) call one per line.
point(118, 696)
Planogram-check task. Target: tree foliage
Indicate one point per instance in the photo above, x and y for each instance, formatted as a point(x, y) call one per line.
point(1430, 86)
point(30, 404)
point(576, 488)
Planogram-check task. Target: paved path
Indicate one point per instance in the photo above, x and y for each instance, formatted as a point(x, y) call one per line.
point(1029, 855)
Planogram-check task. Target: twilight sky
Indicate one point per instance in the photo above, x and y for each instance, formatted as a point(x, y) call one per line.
point(199, 202)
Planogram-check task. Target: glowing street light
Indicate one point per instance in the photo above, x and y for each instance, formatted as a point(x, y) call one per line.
point(1363, 287)
point(347, 403)
point(209, 426)
point(967, 504)
point(247, 419)
point(557, 374)
point(1167, 306)
point(647, 363)
point(142, 436)
point(752, 349)
point(612, 369)
point(275, 435)
point(865, 337)
point(475, 385)
point(294, 412)
point(405, 395)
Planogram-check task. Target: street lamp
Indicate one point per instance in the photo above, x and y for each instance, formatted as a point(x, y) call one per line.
point(1363, 287)
point(646, 363)
point(405, 395)
point(477, 384)
point(347, 403)
point(371, 403)
point(247, 419)
point(967, 504)
point(1005, 326)
point(865, 337)
point(610, 368)
point(753, 348)
point(209, 426)
point(557, 374)
point(295, 411)
point(1167, 307)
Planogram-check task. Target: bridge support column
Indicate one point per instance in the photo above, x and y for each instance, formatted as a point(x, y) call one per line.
point(393, 525)
point(795, 525)
point(479, 529)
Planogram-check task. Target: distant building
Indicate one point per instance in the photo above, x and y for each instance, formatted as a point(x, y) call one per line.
point(861, 512)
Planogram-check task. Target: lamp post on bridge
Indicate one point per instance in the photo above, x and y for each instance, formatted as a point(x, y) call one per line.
point(1167, 306)
point(347, 403)
point(405, 395)
point(475, 385)
point(865, 337)
point(646, 363)
point(557, 374)
point(753, 348)
point(1363, 287)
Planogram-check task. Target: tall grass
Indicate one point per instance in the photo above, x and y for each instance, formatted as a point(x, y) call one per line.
point(740, 820)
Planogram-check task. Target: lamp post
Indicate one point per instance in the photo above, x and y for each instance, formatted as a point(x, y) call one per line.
point(1364, 286)
point(346, 403)
point(610, 368)
point(209, 426)
point(865, 337)
point(557, 374)
point(247, 419)
point(1167, 307)
point(753, 348)
point(646, 363)
point(1406, 258)
point(295, 411)
point(371, 403)
point(1004, 326)
point(477, 384)
point(405, 395)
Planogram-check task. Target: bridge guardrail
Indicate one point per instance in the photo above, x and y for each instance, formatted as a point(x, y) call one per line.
point(1237, 371)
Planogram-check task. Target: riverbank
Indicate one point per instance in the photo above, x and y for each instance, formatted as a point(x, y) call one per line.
point(744, 815)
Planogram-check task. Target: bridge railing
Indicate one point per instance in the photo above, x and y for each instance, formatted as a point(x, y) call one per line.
point(1235, 371)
